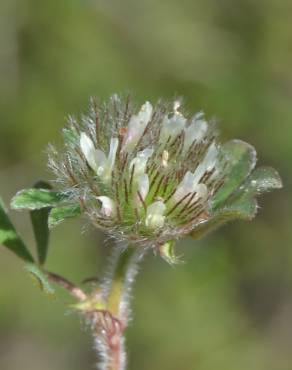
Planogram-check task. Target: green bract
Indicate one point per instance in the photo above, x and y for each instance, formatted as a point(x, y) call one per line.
point(40, 278)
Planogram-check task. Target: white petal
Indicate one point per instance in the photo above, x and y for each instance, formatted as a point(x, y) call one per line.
point(140, 161)
point(208, 162)
point(143, 185)
point(171, 127)
point(165, 157)
point(137, 126)
point(202, 192)
point(96, 158)
point(194, 132)
point(155, 215)
point(112, 153)
point(189, 184)
point(100, 160)
point(105, 165)
point(108, 206)
point(88, 150)
point(145, 112)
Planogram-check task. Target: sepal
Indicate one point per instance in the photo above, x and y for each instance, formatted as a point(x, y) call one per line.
point(167, 252)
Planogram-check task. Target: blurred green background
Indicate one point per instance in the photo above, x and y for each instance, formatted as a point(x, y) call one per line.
point(230, 306)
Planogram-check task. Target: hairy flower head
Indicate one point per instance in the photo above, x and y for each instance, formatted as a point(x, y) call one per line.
point(154, 174)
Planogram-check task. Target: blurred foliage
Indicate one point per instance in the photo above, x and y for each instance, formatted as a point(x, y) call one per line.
point(229, 306)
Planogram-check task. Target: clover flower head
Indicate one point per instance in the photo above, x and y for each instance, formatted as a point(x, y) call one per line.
point(154, 174)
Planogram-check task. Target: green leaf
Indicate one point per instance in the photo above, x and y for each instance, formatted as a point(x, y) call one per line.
point(59, 214)
point(240, 159)
point(36, 199)
point(40, 277)
point(39, 220)
point(9, 237)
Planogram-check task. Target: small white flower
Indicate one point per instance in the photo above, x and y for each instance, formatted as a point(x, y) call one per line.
point(171, 127)
point(208, 163)
point(189, 185)
point(89, 151)
point(176, 106)
point(195, 132)
point(140, 161)
point(114, 143)
point(143, 185)
point(165, 157)
point(140, 178)
point(155, 215)
point(191, 181)
point(108, 206)
point(136, 127)
point(96, 158)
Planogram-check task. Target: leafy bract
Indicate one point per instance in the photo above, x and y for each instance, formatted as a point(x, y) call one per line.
point(40, 277)
point(239, 158)
point(9, 237)
point(167, 252)
point(242, 204)
point(244, 208)
point(32, 199)
point(71, 136)
point(59, 214)
point(262, 179)
point(39, 220)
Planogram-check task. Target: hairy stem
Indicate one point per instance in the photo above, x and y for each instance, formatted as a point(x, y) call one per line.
point(109, 325)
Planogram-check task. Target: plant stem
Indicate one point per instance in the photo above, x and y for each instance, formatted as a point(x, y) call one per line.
point(74, 290)
point(109, 326)
point(121, 281)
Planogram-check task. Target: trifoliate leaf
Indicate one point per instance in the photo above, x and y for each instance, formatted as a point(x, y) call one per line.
point(59, 214)
point(240, 159)
point(9, 237)
point(40, 277)
point(36, 199)
point(39, 219)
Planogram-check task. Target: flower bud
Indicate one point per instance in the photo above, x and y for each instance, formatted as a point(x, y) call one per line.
point(137, 125)
point(155, 215)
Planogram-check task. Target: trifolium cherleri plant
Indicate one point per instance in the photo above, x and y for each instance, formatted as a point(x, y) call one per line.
point(147, 177)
